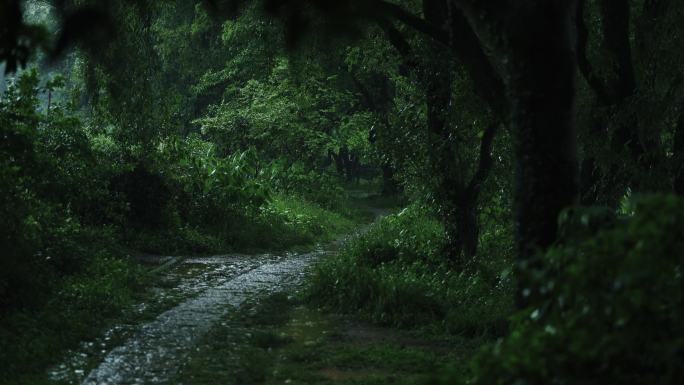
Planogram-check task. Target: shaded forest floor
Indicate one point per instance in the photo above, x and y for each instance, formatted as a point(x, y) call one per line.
point(76, 338)
point(280, 340)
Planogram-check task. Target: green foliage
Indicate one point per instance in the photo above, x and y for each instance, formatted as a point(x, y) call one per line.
point(208, 187)
point(405, 237)
point(322, 188)
point(610, 309)
point(291, 221)
point(194, 131)
point(74, 195)
point(393, 274)
point(278, 115)
point(66, 185)
point(79, 307)
point(46, 182)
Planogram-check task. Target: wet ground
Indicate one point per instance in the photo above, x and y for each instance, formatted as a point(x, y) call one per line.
point(281, 340)
point(194, 297)
point(205, 289)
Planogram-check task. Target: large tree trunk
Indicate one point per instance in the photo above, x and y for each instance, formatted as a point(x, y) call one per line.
point(615, 17)
point(457, 197)
point(534, 41)
point(541, 80)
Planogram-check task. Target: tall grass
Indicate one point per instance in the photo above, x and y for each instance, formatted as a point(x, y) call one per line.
point(395, 274)
point(79, 306)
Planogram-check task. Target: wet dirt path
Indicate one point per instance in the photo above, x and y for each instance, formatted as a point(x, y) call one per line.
point(215, 285)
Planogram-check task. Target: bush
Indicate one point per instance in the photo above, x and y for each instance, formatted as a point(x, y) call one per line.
point(321, 187)
point(407, 236)
point(146, 194)
point(77, 309)
point(50, 195)
point(209, 189)
point(610, 312)
point(393, 275)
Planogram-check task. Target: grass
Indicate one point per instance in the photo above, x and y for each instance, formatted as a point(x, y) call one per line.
point(283, 223)
point(282, 340)
point(296, 222)
point(395, 274)
point(432, 318)
point(80, 306)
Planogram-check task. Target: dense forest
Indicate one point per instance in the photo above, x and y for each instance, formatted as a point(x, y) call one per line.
point(348, 192)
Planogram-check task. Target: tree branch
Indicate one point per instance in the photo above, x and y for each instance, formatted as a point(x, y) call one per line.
point(402, 46)
point(615, 16)
point(469, 50)
point(486, 161)
point(395, 38)
point(383, 9)
point(582, 60)
point(366, 95)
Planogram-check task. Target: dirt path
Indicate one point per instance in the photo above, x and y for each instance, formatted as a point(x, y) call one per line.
point(216, 285)
point(205, 290)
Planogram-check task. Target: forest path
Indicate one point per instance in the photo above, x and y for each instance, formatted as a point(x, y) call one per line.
point(212, 287)
point(204, 290)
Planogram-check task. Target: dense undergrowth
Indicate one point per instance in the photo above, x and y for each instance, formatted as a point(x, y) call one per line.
point(77, 308)
point(76, 202)
point(188, 127)
point(606, 307)
point(395, 274)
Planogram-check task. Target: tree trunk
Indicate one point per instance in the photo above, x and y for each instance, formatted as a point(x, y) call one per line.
point(449, 186)
point(589, 180)
point(467, 232)
point(540, 65)
point(615, 17)
point(678, 158)
point(389, 184)
point(458, 214)
point(339, 163)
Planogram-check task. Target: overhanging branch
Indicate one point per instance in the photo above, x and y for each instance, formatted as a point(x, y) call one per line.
point(382, 9)
point(486, 161)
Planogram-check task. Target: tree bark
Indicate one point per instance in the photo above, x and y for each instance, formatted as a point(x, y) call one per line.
point(615, 16)
point(534, 42)
point(458, 210)
point(448, 186)
point(541, 79)
point(678, 158)
point(390, 186)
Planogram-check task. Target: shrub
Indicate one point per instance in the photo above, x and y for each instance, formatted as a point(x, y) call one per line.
point(610, 310)
point(146, 193)
point(210, 189)
point(393, 275)
point(321, 187)
point(407, 236)
point(77, 309)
